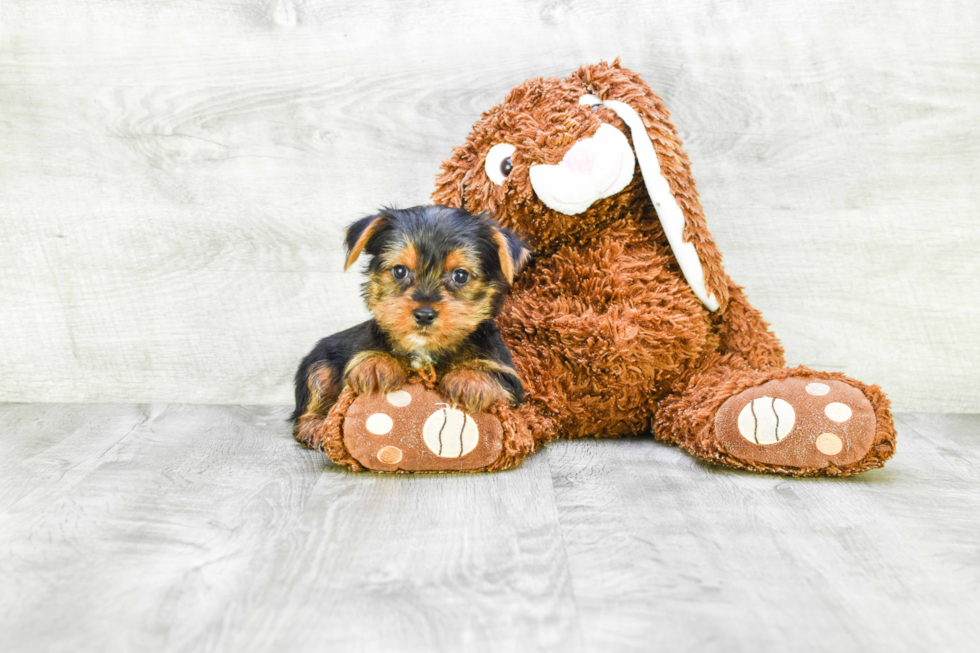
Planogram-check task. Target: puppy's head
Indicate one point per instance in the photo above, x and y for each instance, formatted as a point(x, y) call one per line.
point(435, 273)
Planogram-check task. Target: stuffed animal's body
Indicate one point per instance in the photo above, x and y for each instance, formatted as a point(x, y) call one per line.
point(625, 322)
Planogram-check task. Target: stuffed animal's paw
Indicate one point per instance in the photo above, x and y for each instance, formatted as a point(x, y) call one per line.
point(474, 391)
point(376, 373)
point(799, 422)
point(415, 430)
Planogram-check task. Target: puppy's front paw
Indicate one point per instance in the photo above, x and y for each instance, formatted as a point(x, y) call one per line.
point(472, 390)
point(376, 373)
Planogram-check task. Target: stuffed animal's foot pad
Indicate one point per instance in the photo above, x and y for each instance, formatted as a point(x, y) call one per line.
point(797, 422)
point(415, 430)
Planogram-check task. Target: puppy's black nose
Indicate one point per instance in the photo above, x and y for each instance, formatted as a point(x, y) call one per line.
point(424, 316)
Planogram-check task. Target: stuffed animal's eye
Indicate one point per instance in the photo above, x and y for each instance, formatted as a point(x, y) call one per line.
point(399, 272)
point(460, 276)
point(499, 164)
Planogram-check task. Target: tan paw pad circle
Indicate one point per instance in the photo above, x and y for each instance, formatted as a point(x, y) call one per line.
point(817, 389)
point(379, 424)
point(399, 398)
point(766, 420)
point(450, 433)
point(829, 444)
point(838, 412)
point(390, 455)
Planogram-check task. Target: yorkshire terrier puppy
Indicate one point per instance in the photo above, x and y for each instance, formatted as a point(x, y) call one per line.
point(436, 280)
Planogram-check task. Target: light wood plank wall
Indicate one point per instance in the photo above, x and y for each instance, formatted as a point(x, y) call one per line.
point(175, 176)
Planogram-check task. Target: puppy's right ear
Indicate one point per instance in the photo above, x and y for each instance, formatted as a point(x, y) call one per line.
point(358, 235)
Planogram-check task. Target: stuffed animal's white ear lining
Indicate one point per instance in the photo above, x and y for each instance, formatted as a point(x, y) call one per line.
point(670, 214)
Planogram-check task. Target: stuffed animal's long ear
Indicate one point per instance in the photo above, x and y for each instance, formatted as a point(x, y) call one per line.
point(514, 252)
point(667, 174)
point(358, 235)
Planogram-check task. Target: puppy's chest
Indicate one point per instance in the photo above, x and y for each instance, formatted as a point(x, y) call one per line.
point(428, 362)
point(420, 360)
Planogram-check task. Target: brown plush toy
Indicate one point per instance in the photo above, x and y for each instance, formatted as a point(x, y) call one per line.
point(625, 321)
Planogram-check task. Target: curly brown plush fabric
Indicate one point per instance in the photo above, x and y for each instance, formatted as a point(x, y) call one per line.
point(606, 332)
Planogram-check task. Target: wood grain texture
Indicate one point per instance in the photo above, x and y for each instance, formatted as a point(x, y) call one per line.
point(206, 528)
point(175, 177)
point(739, 562)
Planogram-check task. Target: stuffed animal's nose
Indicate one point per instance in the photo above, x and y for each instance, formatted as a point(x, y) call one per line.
point(424, 316)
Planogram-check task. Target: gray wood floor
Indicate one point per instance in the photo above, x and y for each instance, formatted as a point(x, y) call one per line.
point(205, 528)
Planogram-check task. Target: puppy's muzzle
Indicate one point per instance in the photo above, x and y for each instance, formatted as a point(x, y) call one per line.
point(424, 316)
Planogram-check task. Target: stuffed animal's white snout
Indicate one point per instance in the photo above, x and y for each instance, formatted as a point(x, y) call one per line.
point(593, 169)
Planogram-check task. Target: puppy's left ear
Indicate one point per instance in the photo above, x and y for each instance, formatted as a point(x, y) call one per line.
point(358, 235)
point(514, 252)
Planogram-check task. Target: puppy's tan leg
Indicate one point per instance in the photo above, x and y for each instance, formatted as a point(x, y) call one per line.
point(473, 389)
point(325, 386)
point(373, 372)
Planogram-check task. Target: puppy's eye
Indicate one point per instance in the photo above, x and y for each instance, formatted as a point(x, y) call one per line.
point(498, 163)
point(399, 272)
point(460, 276)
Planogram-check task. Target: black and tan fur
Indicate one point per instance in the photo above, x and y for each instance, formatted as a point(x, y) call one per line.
point(436, 281)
